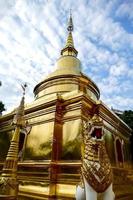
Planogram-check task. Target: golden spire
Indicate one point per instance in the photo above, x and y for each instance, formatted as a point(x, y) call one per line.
point(69, 47)
point(8, 180)
point(69, 42)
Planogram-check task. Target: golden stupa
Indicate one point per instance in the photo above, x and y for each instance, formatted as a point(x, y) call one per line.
point(50, 145)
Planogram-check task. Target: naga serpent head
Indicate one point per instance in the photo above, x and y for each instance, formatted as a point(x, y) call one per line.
point(96, 127)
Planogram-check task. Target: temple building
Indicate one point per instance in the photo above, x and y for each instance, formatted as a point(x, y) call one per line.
point(50, 145)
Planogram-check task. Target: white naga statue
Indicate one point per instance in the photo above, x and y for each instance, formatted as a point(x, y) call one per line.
point(96, 173)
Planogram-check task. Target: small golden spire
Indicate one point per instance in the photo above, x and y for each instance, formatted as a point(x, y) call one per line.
point(19, 117)
point(8, 179)
point(69, 47)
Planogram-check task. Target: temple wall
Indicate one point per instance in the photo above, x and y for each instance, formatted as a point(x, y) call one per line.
point(43, 122)
point(46, 125)
point(38, 171)
point(109, 141)
point(38, 145)
point(71, 140)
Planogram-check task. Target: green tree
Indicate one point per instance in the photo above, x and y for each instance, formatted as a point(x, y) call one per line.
point(2, 107)
point(127, 117)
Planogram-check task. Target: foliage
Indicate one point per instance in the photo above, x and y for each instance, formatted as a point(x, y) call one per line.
point(127, 117)
point(4, 144)
point(2, 107)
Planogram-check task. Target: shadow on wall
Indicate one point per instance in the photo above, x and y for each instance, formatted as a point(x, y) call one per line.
point(43, 153)
point(72, 150)
point(4, 144)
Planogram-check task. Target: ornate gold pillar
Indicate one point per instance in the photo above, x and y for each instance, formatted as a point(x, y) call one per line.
point(56, 147)
point(8, 179)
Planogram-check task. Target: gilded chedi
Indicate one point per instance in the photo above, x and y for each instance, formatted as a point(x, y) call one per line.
point(50, 147)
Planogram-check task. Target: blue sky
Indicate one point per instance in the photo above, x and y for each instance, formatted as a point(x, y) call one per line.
point(32, 33)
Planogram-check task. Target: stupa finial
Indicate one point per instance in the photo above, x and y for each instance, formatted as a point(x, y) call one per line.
point(70, 22)
point(24, 86)
point(69, 48)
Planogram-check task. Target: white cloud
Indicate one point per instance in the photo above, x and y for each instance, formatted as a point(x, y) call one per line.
point(119, 102)
point(6, 7)
point(120, 69)
point(32, 35)
point(125, 10)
